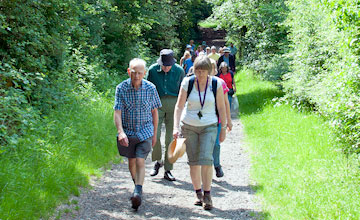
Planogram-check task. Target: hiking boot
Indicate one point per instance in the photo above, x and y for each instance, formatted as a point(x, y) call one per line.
point(136, 201)
point(207, 201)
point(156, 168)
point(219, 171)
point(199, 199)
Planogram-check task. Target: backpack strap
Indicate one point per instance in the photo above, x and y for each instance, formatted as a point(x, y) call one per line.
point(232, 75)
point(190, 86)
point(214, 90)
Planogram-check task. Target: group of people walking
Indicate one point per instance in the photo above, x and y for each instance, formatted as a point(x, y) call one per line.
point(196, 107)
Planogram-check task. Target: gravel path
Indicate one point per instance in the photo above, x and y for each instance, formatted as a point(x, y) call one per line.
point(233, 196)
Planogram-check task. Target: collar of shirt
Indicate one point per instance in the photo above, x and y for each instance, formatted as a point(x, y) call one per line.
point(130, 86)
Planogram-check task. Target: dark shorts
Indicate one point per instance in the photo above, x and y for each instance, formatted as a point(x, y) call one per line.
point(136, 149)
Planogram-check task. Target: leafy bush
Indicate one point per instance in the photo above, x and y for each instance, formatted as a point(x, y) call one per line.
point(325, 66)
point(313, 46)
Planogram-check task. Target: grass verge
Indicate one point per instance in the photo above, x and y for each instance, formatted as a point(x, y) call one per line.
point(50, 163)
point(300, 170)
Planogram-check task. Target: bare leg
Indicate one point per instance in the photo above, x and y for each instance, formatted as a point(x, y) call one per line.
point(140, 171)
point(132, 167)
point(195, 173)
point(206, 176)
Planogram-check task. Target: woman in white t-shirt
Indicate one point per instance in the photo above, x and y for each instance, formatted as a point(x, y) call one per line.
point(197, 113)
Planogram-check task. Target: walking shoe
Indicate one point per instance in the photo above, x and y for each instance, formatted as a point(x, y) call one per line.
point(169, 176)
point(136, 201)
point(199, 199)
point(156, 168)
point(207, 201)
point(219, 171)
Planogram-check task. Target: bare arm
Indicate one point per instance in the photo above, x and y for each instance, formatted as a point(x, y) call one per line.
point(179, 107)
point(155, 118)
point(121, 134)
point(228, 114)
point(220, 102)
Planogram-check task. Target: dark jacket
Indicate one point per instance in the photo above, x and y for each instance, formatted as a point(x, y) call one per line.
point(231, 62)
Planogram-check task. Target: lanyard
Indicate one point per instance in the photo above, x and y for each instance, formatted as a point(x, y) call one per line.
point(202, 102)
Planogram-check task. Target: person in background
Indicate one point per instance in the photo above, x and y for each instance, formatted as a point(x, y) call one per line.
point(208, 51)
point(216, 153)
point(227, 58)
point(202, 51)
point(192, 45)
point(186, 56)
point(189, 63)
point(221, 51)
point(188, 48)
point(204, 45)
point(228, 76)
point(199, 126)
point(166, 76)
point(213, 55)
point(136, 115)
point(198, 50)
point(233, 50)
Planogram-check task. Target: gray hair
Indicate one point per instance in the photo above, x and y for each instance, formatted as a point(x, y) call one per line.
point(137, 62)
point(224, 64)
point(202, 62)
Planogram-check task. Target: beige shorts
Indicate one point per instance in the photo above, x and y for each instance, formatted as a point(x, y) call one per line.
point(200, 141)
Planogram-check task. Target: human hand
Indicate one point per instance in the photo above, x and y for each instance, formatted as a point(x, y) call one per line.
point(229, 125)
point(222, 135)
point(176, 133)
point(153, 141)
point(123, 139)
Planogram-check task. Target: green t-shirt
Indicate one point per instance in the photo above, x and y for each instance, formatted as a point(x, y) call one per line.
point(166, 83)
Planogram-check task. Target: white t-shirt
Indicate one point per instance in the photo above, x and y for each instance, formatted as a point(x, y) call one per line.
point(193, 106)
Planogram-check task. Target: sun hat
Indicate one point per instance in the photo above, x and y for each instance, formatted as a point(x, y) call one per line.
point(227, 50)
point(166, 58)
point(188, 46)
point(176, 149)
point(213, 47)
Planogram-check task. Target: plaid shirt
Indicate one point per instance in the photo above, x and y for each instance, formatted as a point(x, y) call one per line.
point(136, 106)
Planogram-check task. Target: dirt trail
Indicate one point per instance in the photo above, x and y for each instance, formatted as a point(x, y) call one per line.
point(233, 196)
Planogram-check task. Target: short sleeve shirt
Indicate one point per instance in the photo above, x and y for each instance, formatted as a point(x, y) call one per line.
point(214, 56)
point(136, 107)
point(189, 64)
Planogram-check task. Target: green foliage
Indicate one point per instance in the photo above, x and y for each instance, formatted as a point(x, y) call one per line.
point(50, 48)
point(313, 46)
point(60, 63)
point(325, 63)
point(300, 171)
point(256, 28)
point(56, 156)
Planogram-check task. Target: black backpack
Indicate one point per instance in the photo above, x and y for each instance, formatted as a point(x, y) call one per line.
point(214, 89)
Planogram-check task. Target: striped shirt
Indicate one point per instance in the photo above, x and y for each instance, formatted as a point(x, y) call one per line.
point(136, 107)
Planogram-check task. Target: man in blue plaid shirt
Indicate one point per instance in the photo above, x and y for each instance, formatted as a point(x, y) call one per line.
point(136, 120)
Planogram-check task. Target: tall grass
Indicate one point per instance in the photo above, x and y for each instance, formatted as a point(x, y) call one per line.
point(300, 170)
point(51, 162)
